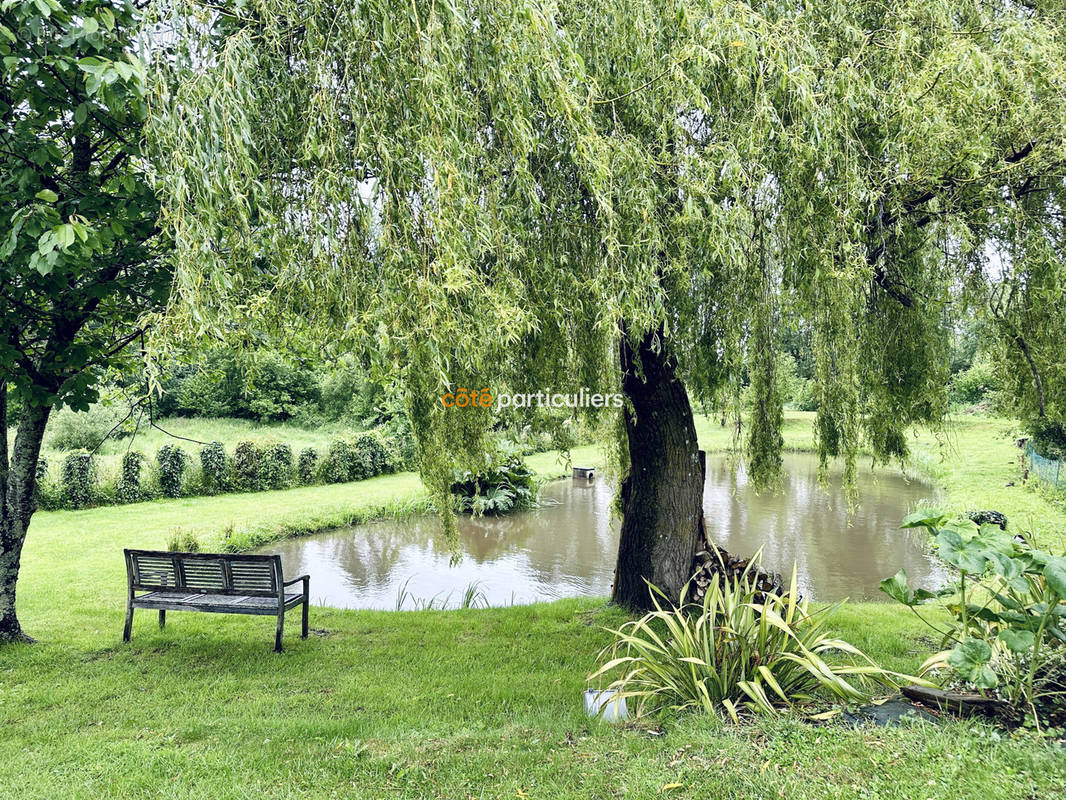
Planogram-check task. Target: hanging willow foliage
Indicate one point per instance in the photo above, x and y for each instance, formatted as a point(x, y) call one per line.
point(482, 193)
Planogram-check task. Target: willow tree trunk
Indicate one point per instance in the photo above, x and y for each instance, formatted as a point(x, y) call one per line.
point(17, 504)
point(662, 497)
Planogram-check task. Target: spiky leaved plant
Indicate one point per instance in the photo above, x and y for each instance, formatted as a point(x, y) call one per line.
point(738, 649)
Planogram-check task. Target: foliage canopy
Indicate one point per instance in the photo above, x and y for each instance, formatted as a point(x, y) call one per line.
point(485, 193)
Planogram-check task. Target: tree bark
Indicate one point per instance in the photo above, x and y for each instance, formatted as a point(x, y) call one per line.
point(662, 497)
point(17, 504)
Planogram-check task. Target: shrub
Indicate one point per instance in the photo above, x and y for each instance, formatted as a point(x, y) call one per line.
point(738, 649)
point(83, 430)
point(213, 466)
point(182, 541)
point(246, 467)
point(805, 397)
point(209, 388)
point(1007, 610)
point(79, 479)
point(129, 483)
point(172, 461)
point(975, 384)
point(400, 442)
point(306, 465)
point(371, 456)
point(207, 393)
point(339, 464)
point(500, 490)
point(276, 470)
point(342, 392)
point(275, 389)
point(264, 386)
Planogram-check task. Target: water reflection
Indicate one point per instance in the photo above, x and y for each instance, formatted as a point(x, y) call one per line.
point(568, 546)
point(837, 555)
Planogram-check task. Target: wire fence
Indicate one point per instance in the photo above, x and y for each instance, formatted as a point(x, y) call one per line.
point(1049, 470)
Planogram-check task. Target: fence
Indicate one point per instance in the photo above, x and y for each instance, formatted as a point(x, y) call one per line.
point(1048, 470)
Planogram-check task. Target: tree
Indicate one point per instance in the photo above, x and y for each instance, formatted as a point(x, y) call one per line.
point(1026, 306)
point(633, 193)
point(80, 247)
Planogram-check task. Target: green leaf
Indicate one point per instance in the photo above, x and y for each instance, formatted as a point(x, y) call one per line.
point(65, 235)
point(47, 195)
point(969, 659)
point(1018, 641)
point(1055, 575)
point(970, 653)
point(968, 556)
point(924, 518)
point(90, 26)
point(896, 588)
point(986, 679)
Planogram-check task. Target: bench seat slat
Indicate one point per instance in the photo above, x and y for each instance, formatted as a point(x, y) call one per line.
point(227, 603)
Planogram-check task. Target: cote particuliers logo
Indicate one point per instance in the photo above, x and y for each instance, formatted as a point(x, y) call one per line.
point(484, 398)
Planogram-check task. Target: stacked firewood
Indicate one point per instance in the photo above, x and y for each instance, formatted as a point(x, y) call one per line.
point(712, 561)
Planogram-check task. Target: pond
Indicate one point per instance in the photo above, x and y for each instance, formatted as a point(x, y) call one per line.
point(567, 547)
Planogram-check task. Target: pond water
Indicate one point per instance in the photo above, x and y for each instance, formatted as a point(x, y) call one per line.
point(567, 547)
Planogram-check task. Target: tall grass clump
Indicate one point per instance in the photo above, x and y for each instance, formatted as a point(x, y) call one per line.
point(740, 649)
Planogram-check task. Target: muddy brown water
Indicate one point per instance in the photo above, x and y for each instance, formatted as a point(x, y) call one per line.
point(567, 547)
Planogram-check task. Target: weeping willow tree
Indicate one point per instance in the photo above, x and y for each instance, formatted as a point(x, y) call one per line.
point(621, 194)
point(1025, 301)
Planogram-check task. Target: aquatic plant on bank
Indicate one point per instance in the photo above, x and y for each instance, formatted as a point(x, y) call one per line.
point(504, 488)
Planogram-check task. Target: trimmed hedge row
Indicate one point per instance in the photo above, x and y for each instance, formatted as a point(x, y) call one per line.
point(252, 467)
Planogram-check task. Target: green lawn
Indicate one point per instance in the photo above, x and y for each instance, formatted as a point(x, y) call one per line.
point(457, 704)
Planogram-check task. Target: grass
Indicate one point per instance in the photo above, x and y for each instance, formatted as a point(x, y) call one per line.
point(482, 703)
point(431, 704)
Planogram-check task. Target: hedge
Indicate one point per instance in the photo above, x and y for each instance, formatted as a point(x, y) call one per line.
point(251, 467)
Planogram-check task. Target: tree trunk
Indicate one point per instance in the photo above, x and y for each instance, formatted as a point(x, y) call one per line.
point(662, 497)
point(17, 504)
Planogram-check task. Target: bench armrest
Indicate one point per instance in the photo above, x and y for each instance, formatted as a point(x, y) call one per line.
point(297, 580)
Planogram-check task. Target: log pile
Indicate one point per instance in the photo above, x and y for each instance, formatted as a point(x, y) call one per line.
point(712, 561)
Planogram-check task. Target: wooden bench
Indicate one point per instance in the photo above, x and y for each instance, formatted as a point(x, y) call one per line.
point(220, 583)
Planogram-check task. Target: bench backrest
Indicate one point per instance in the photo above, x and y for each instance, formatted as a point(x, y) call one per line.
point(207, 573)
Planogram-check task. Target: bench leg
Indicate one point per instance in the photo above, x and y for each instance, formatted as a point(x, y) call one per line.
point(281, 628)
point(162, 618)
point(128, 628)
point(303, 626)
